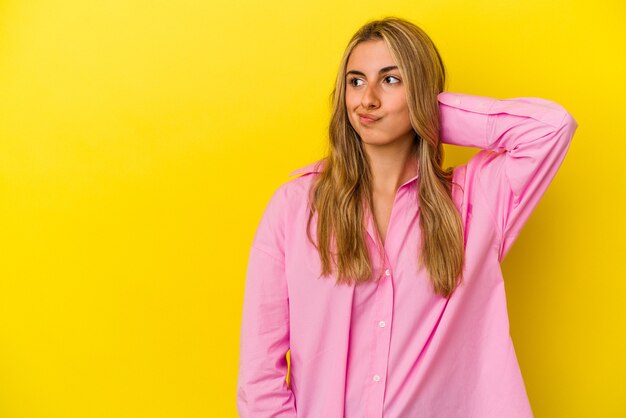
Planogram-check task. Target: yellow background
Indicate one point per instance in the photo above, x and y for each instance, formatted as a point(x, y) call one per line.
point(141, 140)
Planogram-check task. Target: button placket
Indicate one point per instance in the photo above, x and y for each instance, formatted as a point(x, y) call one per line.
point(383, 309)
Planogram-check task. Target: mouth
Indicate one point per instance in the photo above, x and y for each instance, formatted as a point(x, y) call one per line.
point(367, 119)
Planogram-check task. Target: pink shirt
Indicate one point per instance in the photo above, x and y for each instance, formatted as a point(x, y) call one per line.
point(393, 348)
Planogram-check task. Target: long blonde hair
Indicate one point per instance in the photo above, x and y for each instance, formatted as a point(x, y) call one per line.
point(341, 190)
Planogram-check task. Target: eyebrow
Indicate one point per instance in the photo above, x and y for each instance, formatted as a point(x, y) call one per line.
point(381, 71)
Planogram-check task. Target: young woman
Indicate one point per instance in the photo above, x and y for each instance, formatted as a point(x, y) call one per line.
point(380, 271)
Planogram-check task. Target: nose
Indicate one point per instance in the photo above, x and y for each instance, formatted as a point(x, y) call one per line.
point(370, 97)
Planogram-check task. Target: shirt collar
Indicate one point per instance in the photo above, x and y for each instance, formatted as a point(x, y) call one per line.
point(314, 167)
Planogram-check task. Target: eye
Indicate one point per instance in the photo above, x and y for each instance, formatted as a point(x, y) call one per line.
point(351, 81)
point(391, 76)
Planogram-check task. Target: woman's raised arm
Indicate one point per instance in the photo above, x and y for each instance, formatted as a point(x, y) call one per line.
point(523, 140)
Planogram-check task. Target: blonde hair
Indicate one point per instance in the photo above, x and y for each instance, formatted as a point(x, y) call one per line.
point(341, 190)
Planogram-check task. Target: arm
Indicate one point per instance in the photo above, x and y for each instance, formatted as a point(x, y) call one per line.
point(523, 141)
point(264, 338)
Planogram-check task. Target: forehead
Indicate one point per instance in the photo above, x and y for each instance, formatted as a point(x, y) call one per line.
point(370, 56)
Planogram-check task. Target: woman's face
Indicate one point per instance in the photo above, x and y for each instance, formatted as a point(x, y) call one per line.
point(374, 86)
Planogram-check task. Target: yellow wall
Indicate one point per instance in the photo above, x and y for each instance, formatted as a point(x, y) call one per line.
point(140, 141)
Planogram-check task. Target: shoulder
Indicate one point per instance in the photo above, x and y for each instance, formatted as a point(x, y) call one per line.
point(313, 167)
point(297, 187)
point(293, 192)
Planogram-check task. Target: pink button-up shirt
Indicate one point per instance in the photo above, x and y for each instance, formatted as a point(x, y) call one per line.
point(394, 348)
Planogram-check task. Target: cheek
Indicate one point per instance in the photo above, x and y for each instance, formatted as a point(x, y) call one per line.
point(402, 112)
point(351, 102)
point(350, 106)
point(400, 122)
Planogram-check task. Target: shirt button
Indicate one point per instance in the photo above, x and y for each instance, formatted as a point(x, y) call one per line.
point(381, 324)
point(387, 272)
point(376, 378)
point(457, 101)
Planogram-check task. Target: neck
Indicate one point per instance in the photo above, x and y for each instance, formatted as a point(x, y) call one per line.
point(391, 165)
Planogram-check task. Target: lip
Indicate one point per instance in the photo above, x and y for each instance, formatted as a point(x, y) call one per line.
point(367, 118)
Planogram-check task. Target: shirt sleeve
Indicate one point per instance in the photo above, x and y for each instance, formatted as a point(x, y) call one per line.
point(262, 390)
point(523, 142)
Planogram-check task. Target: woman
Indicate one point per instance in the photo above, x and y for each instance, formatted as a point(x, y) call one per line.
point(379, 270)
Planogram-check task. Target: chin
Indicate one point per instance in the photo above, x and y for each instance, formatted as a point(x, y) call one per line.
point(376, 141)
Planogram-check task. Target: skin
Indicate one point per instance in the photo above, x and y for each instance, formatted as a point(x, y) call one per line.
point(387, 142)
